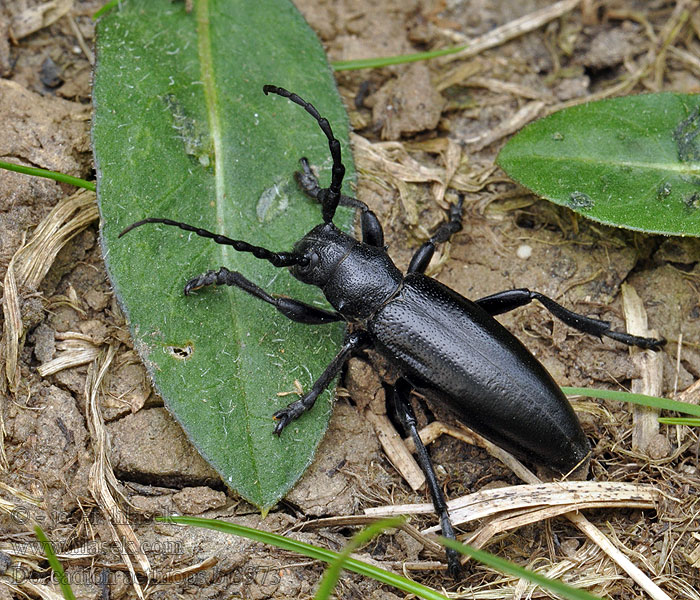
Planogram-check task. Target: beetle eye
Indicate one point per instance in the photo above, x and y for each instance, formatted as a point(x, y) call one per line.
point(308, 262)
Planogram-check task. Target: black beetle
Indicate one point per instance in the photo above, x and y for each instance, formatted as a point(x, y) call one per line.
point(443, 344)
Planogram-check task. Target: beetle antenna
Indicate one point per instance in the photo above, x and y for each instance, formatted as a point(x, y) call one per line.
point(278, 259)
point(330, 196)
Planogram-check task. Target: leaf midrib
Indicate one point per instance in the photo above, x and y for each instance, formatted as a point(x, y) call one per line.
point(204, 49)
point(683, 168)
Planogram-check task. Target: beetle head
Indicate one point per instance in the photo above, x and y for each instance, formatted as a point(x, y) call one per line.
point(321, 251)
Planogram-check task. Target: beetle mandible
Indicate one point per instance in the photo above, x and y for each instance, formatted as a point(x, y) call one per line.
point(443, 344)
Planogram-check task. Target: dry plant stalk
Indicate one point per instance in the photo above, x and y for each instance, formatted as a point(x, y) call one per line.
point(529, 112)
point(395, 449)
point(44, 592)
point(35, 18)
point(510, 31)
point(76, 349)
point(103, 483)
point(650, 365)
point(551, 496)
point(29, 266)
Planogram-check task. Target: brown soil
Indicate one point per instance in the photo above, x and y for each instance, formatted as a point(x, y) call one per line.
point(50, 442)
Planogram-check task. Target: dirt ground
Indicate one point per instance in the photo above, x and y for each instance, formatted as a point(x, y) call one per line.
point(448, 115)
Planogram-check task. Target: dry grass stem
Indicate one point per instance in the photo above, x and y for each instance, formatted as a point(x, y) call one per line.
point(185, 572)
point(487, 503)
point(505, 87)
point(74, 351)
point(396, 450)
point(35, 18)
point(650, 366)
point(103, 482)
point(528, 113)
point(29, 588)
point(29, 266)
point(512, 30)
point(12, 330)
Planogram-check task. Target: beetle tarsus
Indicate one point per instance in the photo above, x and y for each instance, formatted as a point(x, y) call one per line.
point(203, 280)
point(636, 340)
point(285, 416)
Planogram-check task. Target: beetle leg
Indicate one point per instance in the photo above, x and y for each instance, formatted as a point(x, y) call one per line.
point(293, 309)
point(372, 232)
point(421, 259)
point(508, 300)
point(353, 342)
point(401, 407)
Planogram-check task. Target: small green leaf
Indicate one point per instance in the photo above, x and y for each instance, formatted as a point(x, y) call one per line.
point(629, 162)
point(182, 130)
point(688, 422)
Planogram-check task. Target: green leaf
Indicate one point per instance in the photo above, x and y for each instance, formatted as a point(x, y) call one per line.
point(629, 162)
point(183, 131)
point(688, 422)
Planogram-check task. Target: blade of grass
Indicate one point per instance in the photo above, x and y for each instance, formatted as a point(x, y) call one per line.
point(332, 574)
point(60, 177)
point(56, 566)
point(328, 556)
point(398, 59)
point(399, 582)
point(108, 6)
point(679, 421)
point(505, 566)
point(652, 401)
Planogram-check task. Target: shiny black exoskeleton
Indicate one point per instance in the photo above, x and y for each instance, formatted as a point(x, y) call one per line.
point(449, 347)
